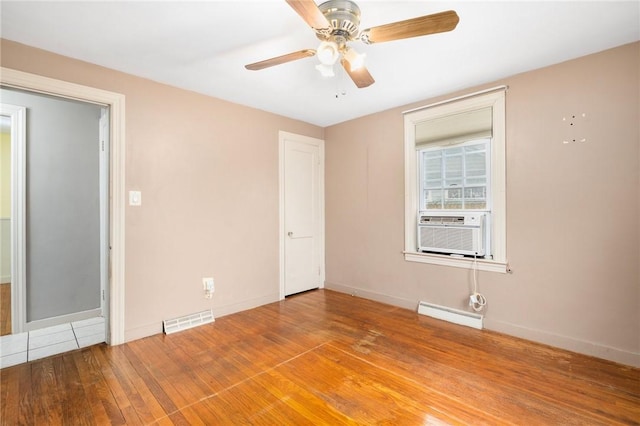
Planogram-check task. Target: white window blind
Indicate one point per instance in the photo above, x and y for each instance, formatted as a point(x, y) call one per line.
point(455, 128)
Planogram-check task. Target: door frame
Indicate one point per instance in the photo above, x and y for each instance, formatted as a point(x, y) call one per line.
point(283, 137)
point(116, 104)
point(18, 117)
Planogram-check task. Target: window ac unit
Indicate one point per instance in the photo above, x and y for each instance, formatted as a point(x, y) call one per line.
point(452, 233)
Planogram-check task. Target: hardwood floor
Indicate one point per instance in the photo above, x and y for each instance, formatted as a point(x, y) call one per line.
point(5, 309)
point(322, 358)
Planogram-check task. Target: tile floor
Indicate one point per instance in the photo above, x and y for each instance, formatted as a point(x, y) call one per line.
point(32, 345)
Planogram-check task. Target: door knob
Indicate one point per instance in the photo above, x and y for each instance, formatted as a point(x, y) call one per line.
point(290, 234)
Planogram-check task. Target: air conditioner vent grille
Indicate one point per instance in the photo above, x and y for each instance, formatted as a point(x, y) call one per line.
point(442, 220)
point(452, 234)
point(188, 321)
point(452, 239)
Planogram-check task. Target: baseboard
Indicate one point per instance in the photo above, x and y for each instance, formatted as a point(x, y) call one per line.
point(5, 279)
point(218, 311)
point(564, 342)
point(245, 305)
point(142, 331)
point(456, 316)
point(372, 295)
point(551, 339)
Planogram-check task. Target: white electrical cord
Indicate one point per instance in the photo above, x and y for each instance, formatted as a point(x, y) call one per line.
point(477, 301)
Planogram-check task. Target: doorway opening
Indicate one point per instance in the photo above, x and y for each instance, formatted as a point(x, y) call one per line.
point(111, 294)
point(60, 214)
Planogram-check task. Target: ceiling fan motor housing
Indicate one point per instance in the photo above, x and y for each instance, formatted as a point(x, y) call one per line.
point(344, 18)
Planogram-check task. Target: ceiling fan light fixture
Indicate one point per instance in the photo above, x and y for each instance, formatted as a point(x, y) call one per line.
point(328, 52)
point(325, 70)
point(355, 59)
point(337, 23)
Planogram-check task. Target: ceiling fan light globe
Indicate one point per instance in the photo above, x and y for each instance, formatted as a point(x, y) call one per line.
point(356, 60)
point(325, 70)
point(328, 52)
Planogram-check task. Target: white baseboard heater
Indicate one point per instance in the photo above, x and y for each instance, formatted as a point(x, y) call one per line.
point(455, 316)
point(188, 321)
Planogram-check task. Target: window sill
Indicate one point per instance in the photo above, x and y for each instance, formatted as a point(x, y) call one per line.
point(456, 262)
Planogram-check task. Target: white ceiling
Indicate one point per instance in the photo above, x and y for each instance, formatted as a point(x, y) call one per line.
point(203, 46)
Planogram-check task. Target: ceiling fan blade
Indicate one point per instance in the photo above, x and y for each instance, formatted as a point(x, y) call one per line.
point(415, 27)
point(360, 76)
point(308, 10)
point(294, 56)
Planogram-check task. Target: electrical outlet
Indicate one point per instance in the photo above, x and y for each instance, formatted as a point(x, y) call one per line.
point(135, 198)
point(209, 287)
point(473, 299)
point(208, 284)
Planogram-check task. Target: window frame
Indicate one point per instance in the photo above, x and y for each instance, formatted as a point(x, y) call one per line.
point(494, 98)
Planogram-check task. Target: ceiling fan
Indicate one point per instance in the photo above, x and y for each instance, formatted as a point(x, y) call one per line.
point(336, 23)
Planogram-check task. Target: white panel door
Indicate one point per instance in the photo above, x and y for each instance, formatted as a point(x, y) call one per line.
point(104, 210)
point(302, 220)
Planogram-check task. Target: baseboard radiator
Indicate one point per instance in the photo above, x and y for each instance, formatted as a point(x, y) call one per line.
point(455, 316)
point(188, 321)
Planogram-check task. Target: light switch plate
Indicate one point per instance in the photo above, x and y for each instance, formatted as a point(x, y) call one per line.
point(135, 198)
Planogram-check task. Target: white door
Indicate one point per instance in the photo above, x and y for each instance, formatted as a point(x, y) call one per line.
point(104, 211)
point(302, 219)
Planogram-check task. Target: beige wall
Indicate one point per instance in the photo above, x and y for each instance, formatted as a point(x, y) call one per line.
point(573, 236)
point(206, 167)
point(208, 172)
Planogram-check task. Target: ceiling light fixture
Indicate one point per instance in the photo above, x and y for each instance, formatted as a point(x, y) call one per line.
point(355, 59)
point(325, 70)
point(337, 23)
point(328, 52)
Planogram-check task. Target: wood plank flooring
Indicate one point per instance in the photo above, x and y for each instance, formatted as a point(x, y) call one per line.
point(5, 309)
point(322, 358)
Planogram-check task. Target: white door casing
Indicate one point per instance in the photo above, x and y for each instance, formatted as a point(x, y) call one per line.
point(116, 104)
point(301, 213)
point(18, 116)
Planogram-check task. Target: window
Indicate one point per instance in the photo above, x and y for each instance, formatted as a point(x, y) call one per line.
point(455, 178)
point(455, 166)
